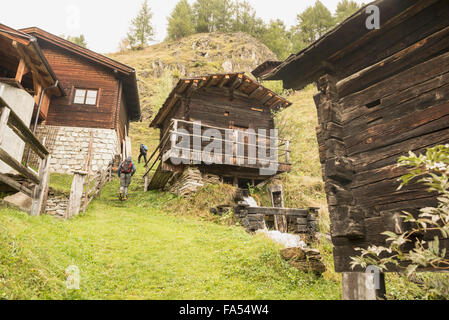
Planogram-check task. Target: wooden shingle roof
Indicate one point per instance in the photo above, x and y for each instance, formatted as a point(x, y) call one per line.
point(234, 81)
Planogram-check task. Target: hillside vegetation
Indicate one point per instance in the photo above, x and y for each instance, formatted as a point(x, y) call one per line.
point(143, 250)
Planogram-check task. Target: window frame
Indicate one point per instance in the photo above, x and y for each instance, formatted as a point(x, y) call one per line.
point(75, 89)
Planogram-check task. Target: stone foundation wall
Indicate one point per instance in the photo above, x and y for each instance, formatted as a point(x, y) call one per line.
point(190, 181)
point(56, 204)
point(69, 147)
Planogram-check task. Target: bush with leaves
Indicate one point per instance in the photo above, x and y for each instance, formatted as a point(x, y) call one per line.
point(431, 169)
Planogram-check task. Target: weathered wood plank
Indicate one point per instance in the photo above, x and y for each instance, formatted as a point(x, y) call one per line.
point(412, 55)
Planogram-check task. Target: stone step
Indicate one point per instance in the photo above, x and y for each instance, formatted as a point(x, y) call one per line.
point(19, 201)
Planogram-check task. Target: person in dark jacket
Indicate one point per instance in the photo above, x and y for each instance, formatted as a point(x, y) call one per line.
point(143, 153)
point(126, 171)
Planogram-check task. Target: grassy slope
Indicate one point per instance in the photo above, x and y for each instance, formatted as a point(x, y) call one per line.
point(136, 250)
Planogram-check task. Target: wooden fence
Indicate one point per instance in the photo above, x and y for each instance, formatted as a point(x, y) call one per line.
point(40, 179)
point(82, 191)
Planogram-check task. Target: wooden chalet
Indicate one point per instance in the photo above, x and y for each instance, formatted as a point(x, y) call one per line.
point(100, 95)
point(229, 103)
point(381, 93)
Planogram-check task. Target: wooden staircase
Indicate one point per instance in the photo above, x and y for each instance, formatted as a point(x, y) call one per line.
point(160, 178)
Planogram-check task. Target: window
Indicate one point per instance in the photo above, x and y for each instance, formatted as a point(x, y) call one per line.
point(86, 97)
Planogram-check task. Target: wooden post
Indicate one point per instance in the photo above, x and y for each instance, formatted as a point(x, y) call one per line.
point(41, 189)
point(123, 150)
point(88, 170)
point(4, 122)
point(147, 178)
point(277, 201)
point(110, 172)
point(287, 152)
point(128, 147)
point(21, 70)
point(362, 286)
point(76, 194)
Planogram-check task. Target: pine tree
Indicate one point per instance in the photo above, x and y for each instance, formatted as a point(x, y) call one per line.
point(80, 40)
point(277, 39)
point(345, 9)
point(203, 15)
point(314, 22)
point(213, 15)
point(141, 30)
point(180, 22)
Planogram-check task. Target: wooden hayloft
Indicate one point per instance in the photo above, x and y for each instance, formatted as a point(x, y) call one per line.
point(232, 104)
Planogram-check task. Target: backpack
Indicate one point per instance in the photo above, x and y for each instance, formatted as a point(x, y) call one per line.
point(143, 148)
point(127, 167)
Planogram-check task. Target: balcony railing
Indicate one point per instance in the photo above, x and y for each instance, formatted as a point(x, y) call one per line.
point(196, 143)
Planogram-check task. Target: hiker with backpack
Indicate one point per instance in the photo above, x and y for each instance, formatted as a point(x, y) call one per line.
point(143, 152)
point(126, 171)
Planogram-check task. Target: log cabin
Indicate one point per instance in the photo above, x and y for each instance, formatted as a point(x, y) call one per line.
point(100, 98)
point(236, 108)
point(381, 93)
point(24, 74)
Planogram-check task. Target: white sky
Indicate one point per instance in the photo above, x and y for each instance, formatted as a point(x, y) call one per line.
point(105, 22)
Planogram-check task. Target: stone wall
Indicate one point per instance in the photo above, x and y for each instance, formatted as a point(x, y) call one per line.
point(56, 204)
point(190, 180)
point(69, 147)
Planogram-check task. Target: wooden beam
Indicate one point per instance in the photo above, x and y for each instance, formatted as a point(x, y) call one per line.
point(15, 185)
point(238, 80)
point(210, 81)
point(23, 131)
point(223, 81)
point(21, 70)
point(3, 121)
point(41, 189)
point(253, 94)
point(16, 165)
point(32, 66)
point(76, 194)
point(390, 66)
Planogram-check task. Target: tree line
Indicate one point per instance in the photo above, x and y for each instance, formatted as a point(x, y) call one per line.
point(239, 16)
point(227, 16)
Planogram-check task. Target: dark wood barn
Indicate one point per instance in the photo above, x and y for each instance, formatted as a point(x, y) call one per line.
point(101, 96)
point(381, 93)
point(230, 103)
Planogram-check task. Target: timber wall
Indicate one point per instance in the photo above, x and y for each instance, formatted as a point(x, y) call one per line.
point(366, 122)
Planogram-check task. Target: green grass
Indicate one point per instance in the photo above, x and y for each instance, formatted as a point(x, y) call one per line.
point(61, 183)
point(136, 250)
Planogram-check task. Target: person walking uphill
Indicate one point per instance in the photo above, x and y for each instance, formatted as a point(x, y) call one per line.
point(143, 153)
point(126, 171)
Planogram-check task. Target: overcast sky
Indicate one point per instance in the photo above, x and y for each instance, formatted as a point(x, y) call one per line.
point(105, 22)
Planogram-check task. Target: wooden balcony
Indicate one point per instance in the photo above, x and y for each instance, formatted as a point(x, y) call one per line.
point(190, 143)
